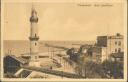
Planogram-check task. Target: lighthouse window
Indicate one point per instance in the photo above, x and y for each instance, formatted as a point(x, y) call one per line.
point(35, 57)
point(35, 35)
point(35, 44)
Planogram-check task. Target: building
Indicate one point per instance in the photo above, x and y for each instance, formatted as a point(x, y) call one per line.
point(12, 63)
point(95, 53)
point(110, 44)
point(34, 39)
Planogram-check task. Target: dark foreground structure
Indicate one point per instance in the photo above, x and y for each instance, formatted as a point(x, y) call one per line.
point(13, 63)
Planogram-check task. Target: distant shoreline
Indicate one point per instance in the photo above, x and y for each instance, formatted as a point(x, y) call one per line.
point(56, 40)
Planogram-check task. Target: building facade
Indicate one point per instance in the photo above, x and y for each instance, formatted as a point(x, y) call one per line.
point(110, 44)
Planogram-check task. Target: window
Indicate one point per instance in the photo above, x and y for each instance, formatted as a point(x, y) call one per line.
point(115, 50)
point(35, 57)
point(119, 43)
point(35, 44)
point(115, 43)
point(35, 35)
point(119, 50)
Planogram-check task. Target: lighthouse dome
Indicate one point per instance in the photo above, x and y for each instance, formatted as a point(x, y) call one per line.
point(33, 17)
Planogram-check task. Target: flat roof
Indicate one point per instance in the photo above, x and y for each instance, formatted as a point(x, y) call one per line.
point(19, 59)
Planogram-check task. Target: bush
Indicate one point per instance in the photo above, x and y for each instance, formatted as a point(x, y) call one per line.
point(113, 69)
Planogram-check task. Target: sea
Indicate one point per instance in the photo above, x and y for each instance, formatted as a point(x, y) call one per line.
point(18, 47)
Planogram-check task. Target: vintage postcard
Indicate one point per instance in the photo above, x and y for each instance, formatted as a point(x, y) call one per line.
point(64, 40)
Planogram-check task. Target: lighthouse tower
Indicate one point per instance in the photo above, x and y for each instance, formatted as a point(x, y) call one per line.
point(34, 60)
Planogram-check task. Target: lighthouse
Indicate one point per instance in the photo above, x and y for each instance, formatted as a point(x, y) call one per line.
point(34, 45)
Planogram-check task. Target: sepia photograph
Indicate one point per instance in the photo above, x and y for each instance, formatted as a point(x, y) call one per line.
point(63, 40)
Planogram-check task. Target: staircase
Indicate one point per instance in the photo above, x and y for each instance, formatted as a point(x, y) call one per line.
point(22, 73)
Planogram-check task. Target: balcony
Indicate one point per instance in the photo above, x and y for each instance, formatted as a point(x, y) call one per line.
point(34, 38)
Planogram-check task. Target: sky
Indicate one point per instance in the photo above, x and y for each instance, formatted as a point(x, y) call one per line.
point(63, 21)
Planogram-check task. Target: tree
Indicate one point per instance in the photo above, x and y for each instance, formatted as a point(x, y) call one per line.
point(113, 69)
point(90, 69)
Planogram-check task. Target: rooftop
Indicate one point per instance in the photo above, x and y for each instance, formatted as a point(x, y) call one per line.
point(117, 36)
point(19, 59)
